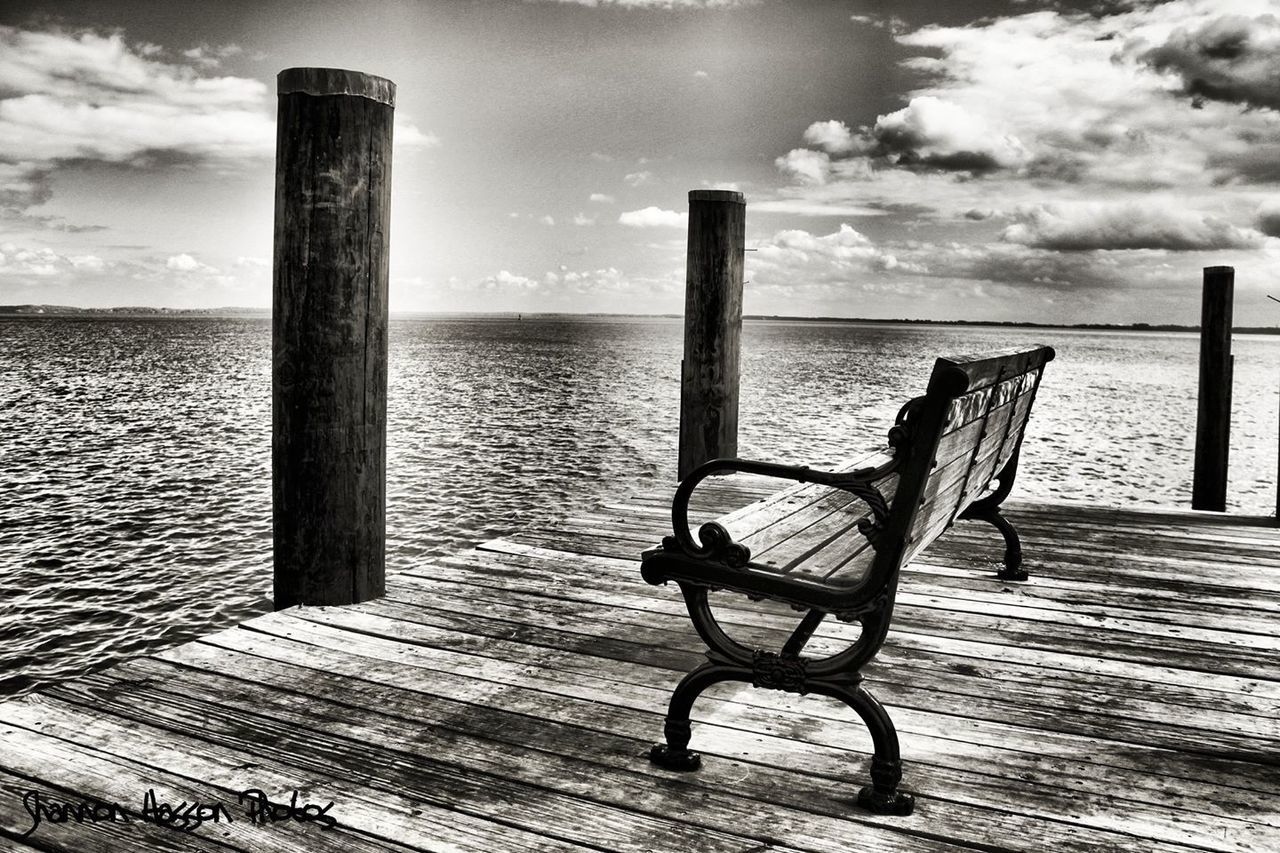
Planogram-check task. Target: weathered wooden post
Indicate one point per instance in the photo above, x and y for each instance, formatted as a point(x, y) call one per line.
point(1213, 418)
point(329, 335)
point(712, 327)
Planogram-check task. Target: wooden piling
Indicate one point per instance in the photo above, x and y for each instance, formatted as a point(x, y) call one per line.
point(1213, 418)
point(329, 335)
point(712, 328)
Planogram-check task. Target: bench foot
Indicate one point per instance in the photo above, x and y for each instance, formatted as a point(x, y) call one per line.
point(682, 760)
point(675, 753)
point(881, 803)
point(882, 795)
point(1015, 575)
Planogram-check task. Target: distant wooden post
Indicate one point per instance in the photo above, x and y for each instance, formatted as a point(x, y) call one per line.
point(712, 327)
point(329, 335)
point(1213, 419)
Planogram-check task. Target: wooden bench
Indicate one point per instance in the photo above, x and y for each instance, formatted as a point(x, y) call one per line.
point(835, 543)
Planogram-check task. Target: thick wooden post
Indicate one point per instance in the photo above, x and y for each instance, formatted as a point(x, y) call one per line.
point(1213, 419)
point(329, 342)
point(712, 328)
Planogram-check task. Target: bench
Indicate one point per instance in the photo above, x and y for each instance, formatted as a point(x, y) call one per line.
point(835, 543)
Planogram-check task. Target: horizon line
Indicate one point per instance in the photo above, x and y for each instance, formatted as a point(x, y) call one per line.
point(35, 310)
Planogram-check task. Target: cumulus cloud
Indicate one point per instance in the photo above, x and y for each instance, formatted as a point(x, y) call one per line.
point(86, 97)
point(547, 220)
point(90, 96)
point(583, 219)
point(1090, 226)
point(508, 281)
point(1056, 106)
point(1233, 58)
point(804, 165)
point(832, 136)
point(654, 217)
point(1267, 219)
point(187, 264)
point(601, 198)
point(800, 256)
point(932, 133)
point(638, 179)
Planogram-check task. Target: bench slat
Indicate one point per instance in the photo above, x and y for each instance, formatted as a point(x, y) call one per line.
point(832, 547)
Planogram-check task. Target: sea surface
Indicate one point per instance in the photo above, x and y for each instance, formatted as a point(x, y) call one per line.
point(135, 463)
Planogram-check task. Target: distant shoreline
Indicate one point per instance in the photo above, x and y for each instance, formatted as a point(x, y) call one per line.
point(143, 312)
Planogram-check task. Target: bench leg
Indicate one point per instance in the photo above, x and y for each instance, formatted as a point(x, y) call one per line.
point(1012, 570)
point(675, 753)
point(882, 795)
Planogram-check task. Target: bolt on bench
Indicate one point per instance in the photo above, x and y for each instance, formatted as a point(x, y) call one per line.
point(835, 543)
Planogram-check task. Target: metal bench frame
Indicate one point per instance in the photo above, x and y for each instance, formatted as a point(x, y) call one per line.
point(715, 562)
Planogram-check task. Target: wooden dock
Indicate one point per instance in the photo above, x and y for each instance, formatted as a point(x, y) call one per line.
point(1126, 698)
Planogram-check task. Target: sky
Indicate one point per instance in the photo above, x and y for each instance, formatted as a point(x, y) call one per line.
point(1025, 160)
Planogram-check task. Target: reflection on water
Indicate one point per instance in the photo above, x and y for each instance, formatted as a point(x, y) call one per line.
point(136, 506)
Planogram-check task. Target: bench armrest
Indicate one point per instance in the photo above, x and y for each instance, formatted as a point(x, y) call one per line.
point(714, 541)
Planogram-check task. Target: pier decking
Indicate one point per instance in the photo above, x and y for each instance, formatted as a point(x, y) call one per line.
point(1126, 698)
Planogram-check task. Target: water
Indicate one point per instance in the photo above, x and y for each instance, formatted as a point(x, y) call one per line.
point(135, 460)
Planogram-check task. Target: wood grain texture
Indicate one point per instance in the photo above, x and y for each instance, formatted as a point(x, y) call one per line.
point(329, 340)
point(712, 328)
point(1213, 411)
point(1126, 698)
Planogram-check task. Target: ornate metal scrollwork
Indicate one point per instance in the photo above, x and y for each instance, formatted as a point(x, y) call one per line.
point(716, 544)
point(779, 672)
point(904, 426)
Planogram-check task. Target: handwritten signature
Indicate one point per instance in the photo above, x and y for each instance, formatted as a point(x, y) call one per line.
point(184, 816)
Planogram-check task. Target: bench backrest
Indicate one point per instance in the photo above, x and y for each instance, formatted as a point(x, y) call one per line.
point(955, 440)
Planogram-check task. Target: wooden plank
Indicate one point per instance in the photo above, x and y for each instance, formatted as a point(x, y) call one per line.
point(1028, 752)
point(407, 625)
point(424, 748)
point(644, 612)
point(422, 800)
point(599, 715)
point(48, 744)
point(987, 646)
point(985, 368)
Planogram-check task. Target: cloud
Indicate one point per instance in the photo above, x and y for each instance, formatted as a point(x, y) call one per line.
point(1232, 58)
point(638, 179)
point(654, 217)
point(508, 281)
point(547, 220)
point(805, 166)
point(893, 24)
point(832, 136)
point(701, 75)
point(814, 207)
point(1107, 226)
point(601, 198)
point(84, 97)
point(40, 262)
point(657, 4)
point(1267, 219)
point(583, 219)
point(204, 55)
point(845, 256)
point(185, 263)
point(405, 134)
point(931, 133)
point(1058, 106)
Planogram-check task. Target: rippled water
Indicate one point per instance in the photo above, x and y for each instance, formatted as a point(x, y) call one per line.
point(135, 454)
